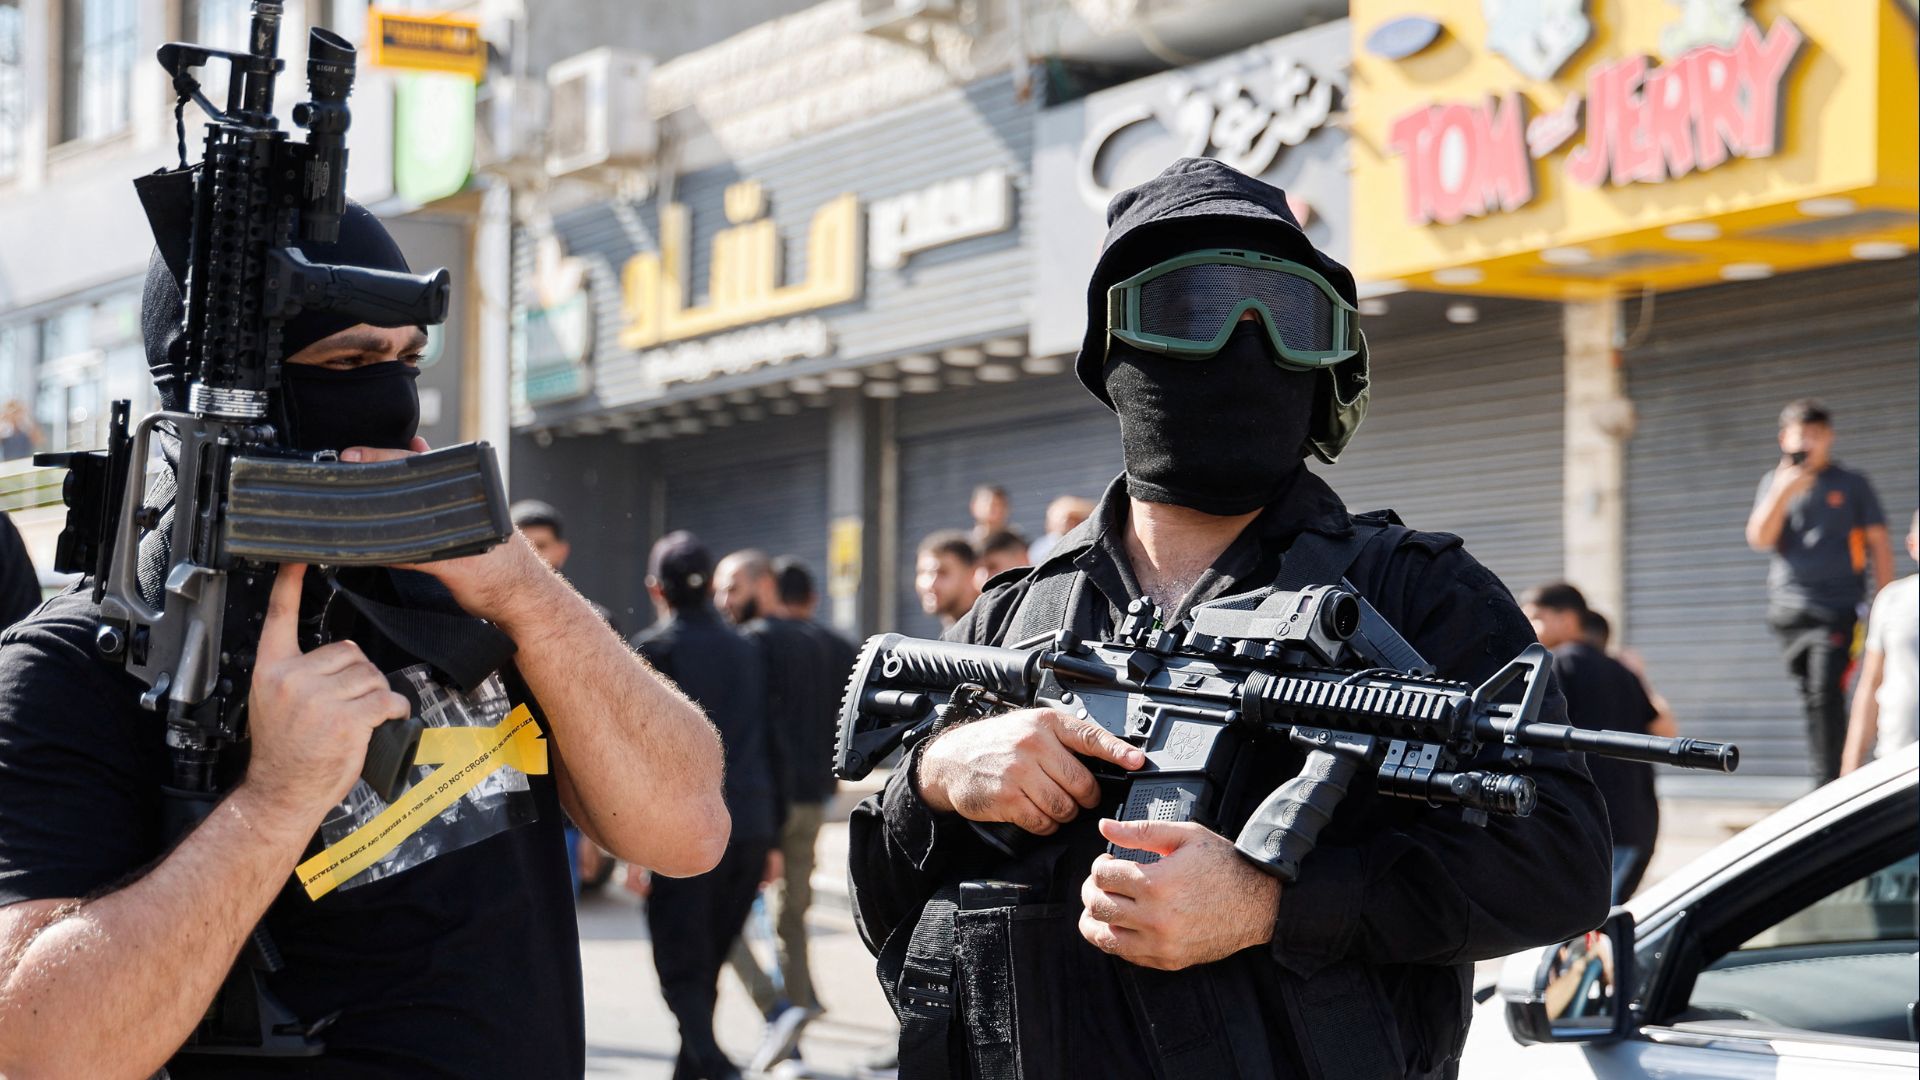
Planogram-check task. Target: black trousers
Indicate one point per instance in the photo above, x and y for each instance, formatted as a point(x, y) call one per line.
point(693, 922)
point(1817, 647)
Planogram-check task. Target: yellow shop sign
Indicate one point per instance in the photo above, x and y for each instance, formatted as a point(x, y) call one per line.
point(1556, 148)
point(744, 276)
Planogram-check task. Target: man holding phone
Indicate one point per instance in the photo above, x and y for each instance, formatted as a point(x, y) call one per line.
point(1823, 526)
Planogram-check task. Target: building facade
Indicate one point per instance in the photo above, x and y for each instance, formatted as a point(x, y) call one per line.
point(1720, 200)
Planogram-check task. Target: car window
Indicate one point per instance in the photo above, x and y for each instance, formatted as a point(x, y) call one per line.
point(1877, 907)
point(1844, 964)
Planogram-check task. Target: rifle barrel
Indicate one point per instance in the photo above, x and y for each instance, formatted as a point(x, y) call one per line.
point(1682, 752)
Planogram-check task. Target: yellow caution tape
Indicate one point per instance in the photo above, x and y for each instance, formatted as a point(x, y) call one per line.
point(466, 756)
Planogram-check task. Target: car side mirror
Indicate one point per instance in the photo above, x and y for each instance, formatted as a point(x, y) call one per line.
point(1577, 991)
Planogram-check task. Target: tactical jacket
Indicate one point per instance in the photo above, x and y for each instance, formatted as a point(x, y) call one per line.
point(1368, 971)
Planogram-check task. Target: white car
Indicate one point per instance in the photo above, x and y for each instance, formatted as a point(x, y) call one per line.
point(1787, 953)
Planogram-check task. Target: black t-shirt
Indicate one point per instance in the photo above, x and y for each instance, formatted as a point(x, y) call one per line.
point(1604, 695)
point(457, 957)
point(19, 585)
point(794, 664)
point(1820, 561)
point(815, 783)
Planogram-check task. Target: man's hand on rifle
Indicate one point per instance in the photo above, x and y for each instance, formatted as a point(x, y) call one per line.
point(1020, 767)
point(310, 713)
point(1199, 903)
point(637, 764)
point(487, 584)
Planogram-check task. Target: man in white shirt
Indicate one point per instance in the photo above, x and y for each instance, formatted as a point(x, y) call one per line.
point(1886, 703)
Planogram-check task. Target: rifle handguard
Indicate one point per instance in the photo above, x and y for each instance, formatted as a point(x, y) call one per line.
point(437, 505)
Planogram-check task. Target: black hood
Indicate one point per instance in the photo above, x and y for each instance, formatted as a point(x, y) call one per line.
point(1196, 203)
point(168, 199)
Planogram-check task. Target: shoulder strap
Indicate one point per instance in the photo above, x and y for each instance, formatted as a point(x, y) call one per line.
point(1054, 601)
point(1319, 559)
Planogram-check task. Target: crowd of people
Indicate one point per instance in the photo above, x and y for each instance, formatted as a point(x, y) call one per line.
point(1831, 571)
point(737, 636)
point(953, 566)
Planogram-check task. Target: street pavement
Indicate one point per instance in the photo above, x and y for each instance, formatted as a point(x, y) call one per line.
point(631, 1036)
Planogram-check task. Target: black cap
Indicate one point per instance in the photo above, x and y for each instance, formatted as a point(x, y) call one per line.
point(534, 512)
point(680, 562)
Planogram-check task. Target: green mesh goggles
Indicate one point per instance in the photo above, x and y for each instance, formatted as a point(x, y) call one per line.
point(1188, 306)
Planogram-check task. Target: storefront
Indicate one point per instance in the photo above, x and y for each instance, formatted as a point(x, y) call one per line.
point(730, 355)
point(1722, 199)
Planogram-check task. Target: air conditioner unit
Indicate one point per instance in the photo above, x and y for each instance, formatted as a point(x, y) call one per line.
point(511, 125)
point(905, 20)
point(598, 114)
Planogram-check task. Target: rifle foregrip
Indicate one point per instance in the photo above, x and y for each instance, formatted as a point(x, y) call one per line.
point(437, 505)
point(1287, 825)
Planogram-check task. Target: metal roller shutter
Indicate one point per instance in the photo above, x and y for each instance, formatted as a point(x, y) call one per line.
point(761, 485)
point(1464, 435)
point(1708, 387)
point(1038, 438)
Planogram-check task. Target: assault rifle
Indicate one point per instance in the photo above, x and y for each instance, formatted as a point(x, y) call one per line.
point(231, 229)
point(1269, 665)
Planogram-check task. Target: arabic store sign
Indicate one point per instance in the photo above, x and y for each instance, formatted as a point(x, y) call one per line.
point(754, 312)
point(1501, 129)
point(746, 283)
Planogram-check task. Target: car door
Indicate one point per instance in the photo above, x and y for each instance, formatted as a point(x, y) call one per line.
point(1801, 964)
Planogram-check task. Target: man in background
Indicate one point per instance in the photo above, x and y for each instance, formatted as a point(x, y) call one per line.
point(944, 578)
point(1598, 633)
point(999, 552)
point(1064, 515)
point(1603, 695)
point(991, 511)
point(749, 595)
point(802, 601)
point(1886, 702)
point(694, 921)
point(540, 523)
point(1823, 526)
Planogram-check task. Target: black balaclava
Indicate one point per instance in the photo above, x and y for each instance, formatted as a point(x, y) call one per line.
point(1221, 434)
point(371, 405)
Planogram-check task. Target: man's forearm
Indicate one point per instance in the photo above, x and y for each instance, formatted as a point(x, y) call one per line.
point(639, 765)
point(1881, 548)
point(1764, 524)
point(112, 986)
point(1863, 725)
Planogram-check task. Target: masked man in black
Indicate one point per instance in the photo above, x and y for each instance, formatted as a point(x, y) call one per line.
point(1199, 964)
point(455, 954)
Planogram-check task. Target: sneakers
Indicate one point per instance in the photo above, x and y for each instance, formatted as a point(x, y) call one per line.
point(783, 1037)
